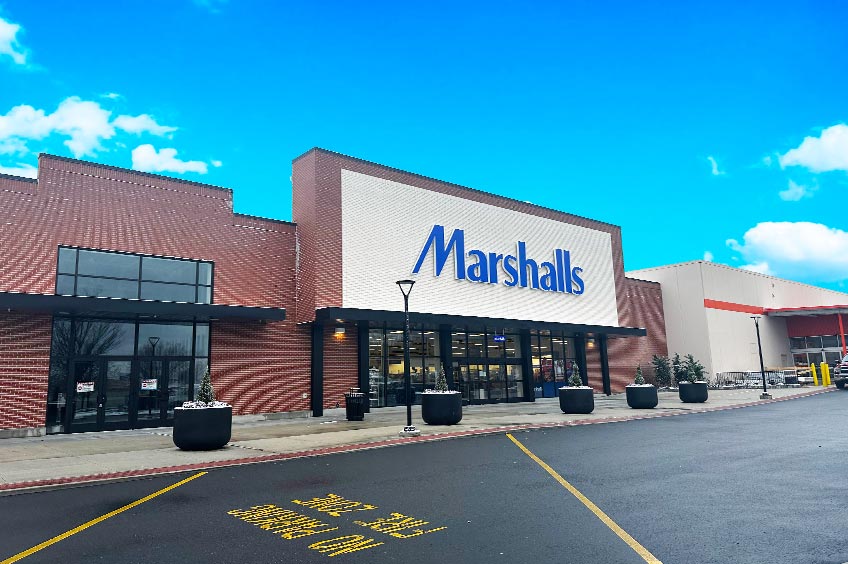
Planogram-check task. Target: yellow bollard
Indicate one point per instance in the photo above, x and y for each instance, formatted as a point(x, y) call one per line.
point(827, 374)
point(813, 372)
point(823, 368)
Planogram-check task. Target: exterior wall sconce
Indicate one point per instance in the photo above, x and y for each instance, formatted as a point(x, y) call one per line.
point(339, 333)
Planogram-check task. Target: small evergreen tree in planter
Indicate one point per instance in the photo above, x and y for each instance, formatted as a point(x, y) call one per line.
point(694, 388)
point(576, 398)
point(639, 394)
point(678, 370)
point(441, 406)
point(662, 371)
point(203, 424)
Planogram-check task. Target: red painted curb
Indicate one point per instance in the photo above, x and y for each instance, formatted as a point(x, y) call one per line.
point(365, 446)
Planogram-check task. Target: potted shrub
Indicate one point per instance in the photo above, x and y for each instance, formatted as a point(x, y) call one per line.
point(639, 394)
point(678, 370)
point(441, 406)
point(576, 398)
point(694, 388)
point(662, 371)
point(203, 424)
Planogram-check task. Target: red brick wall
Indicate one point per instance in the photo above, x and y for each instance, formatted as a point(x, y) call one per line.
point(644, 308)
point(341, 370)
point(90, 205)
point(24, 365)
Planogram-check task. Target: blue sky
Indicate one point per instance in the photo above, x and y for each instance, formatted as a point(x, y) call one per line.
point(710, 130)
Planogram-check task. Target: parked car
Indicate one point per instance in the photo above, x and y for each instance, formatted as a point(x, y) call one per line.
point(841, 373)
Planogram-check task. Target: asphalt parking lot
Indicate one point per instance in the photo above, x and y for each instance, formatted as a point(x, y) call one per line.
point(759, 484)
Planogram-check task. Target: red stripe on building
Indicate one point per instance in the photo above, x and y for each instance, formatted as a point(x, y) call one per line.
point(730, 306)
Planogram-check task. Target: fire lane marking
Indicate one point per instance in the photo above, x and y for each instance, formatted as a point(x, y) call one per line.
point(75, 530)
point(622, 534)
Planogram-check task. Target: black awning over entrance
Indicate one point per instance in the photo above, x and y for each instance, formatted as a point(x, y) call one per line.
point(50, 303)
point(331, 314)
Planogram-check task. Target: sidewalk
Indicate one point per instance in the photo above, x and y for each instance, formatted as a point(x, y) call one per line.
point(65, 459)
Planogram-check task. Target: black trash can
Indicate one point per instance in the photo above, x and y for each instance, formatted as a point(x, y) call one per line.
point(355, 405)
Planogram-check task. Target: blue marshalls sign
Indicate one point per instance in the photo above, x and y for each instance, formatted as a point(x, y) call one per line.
point(512, 270)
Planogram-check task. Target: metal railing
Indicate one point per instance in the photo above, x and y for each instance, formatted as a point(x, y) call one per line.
point(778, 378)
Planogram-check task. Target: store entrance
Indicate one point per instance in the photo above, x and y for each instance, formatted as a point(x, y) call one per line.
point(125, 393)
point(482, 383)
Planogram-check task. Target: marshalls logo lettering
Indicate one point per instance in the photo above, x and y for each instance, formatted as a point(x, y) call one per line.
point(517, 269)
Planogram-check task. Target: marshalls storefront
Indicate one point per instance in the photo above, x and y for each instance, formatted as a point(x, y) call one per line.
point(103, 326)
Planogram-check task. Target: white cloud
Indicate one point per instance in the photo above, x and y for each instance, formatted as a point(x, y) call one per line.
point(767, 160)
point(216, 164)
point(795, 192)
point(825, 153)
point(708, 256)
point(85, 123)
point(9, 44)
point(796, 250)
point(111, 95)
point(25, 170)
point(146, 159)
point(13, 146)
point(142, 124)
point(714, 165)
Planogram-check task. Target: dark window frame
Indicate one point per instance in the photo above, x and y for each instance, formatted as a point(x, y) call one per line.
point(197, 285)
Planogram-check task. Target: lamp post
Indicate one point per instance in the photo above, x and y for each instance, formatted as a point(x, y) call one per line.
point(765, 394)
point(409, 430)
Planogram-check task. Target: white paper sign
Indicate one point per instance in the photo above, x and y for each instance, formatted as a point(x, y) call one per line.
point(83, 387)
point(149, 384)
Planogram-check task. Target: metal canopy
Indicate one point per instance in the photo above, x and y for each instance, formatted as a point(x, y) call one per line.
point(50, 303)
point(331, 314)
point(807, 311)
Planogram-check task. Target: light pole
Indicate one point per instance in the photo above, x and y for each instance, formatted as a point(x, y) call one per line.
point(409, 430)
point(765, 394)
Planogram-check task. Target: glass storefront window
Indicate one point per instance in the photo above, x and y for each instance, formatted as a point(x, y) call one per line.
point(830, 341)
point(800, 359)
point(797, 343)
point(813, 342)
point(109, 274)
point(459, 341)
point(476, 344)
point(168, 270)
point(512, 346)
point(100, 338)
point(111, 265)
point(201, 340)
point(67, 261)
point(174, 339)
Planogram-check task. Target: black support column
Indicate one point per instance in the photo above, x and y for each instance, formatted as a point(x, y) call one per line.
point(317, 379)
point(605, 375)
point(362, 356)
point(527, 365)
point(580, 353)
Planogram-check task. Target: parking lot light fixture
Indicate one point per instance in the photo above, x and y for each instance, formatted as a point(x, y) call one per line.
point(409, 430)
point(765, 394)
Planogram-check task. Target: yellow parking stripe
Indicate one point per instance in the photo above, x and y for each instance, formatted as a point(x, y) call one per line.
point(631, 542)
point(63, 536)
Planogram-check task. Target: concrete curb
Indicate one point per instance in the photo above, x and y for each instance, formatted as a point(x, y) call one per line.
point(39, 485)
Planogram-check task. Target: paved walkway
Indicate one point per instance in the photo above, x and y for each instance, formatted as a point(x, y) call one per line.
point(62, 459)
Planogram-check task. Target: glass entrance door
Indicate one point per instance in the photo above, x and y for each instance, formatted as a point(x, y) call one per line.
point(497, 383)
point(101, 393)
point(163, 383)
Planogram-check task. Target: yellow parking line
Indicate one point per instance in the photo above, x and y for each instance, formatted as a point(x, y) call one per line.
point(631, 542)
point(63, 536)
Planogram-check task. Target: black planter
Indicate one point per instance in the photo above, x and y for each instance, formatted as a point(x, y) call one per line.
point(202, 429)
point(576, 400)
point(692, 392)
point(641, 397)
point(441, 409)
